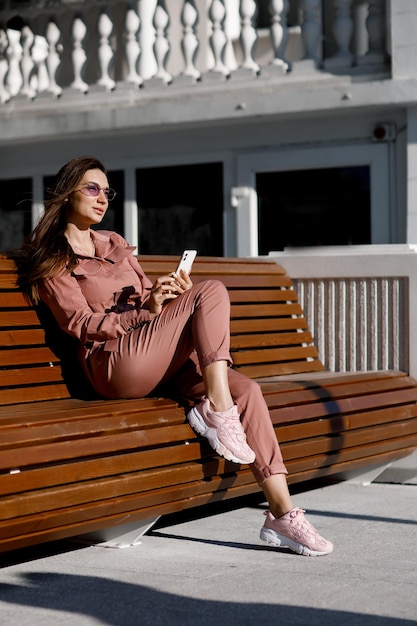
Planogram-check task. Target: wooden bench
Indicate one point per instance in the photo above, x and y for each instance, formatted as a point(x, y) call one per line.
point(70, 466)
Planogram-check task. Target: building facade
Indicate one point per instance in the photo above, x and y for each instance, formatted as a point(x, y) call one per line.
point(238, 127)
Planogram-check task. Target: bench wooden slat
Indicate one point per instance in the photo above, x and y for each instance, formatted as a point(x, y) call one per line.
point(265, 310)
point(39, 393)
point(27, 356)
point(261, 340)
point(271, 324)
point(11, 338)
point(30, 376)
point(262, 295)
point(12, 318)
point(241, 357)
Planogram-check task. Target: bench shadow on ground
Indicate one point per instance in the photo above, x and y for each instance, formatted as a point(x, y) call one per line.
point(118, 603)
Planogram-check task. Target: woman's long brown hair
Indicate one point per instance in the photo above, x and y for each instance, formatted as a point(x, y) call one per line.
point(46, 251)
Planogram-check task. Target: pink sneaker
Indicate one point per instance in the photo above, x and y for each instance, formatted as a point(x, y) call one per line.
point(223, 430)
point(293, 531)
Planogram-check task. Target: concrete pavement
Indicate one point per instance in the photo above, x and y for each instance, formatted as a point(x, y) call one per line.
point(215, 570)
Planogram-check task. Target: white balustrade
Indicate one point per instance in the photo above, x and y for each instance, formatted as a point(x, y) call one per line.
point(147, 61)
point(213, 38)
point(27, 64)
point(279, 32)
point(343, 31)
point(132, 48)
point(53, 59)
point(189, 44)
point(79, 56)
point(105, 52)
point(161, 21)
point(4, 67)
point(218, 38)
point(312, 30)
point(40, 78)
point(248, 34)
point(14, 80)
point(376, 28)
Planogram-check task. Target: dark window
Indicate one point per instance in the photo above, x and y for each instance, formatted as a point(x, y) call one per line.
point(181, 207)
point(15, 212)
point(314, 208)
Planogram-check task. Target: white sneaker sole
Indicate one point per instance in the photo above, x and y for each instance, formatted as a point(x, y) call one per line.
point(275, 539)
point(198, 424)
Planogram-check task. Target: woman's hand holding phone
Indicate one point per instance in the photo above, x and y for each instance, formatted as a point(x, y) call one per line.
point(168, 288)
point(182, 273)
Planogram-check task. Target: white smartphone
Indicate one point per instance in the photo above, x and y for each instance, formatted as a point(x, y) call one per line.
point(186, 261)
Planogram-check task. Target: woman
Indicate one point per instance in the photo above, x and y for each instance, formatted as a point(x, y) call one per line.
point(136, 338)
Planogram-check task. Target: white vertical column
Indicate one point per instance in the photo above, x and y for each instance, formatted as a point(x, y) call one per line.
point(403, 39)
point(411, 130)
point(130, 208)
point(245, 201)
point(38, 199)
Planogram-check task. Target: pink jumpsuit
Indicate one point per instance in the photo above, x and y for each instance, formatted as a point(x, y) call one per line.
point(103, 303)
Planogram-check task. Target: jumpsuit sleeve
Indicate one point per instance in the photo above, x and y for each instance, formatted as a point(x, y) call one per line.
point(63, 295)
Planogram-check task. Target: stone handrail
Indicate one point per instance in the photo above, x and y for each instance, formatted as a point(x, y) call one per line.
point(51, 46)
point(360, 302)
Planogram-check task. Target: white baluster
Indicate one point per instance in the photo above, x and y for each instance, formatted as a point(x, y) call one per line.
point(231, 27)
point(189, 42)
point(342, 30)
point(40, 79)
point(14, 54)
point(4, 66)
point(279, 32)
point(161, 47)
point(248, 36)
point(311, 30)
point(147, 62)
point(105, 52)
point(218, 37)
point(376, 27)
point(52, 62)
point(132, 24)
point(79, 56)
point(26, 63)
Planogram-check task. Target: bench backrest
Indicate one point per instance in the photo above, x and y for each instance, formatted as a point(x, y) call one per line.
point(269, 333)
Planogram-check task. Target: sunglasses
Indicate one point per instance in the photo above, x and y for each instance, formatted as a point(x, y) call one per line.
point(92, 189)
